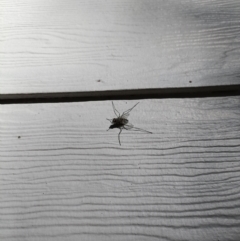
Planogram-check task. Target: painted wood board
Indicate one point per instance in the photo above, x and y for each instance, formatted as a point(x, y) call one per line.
point(92, 45)
point(64, 177)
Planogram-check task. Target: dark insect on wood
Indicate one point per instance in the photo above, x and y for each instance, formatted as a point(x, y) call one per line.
point(121, 122)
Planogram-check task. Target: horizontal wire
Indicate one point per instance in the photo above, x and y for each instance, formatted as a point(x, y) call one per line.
point(155, 93)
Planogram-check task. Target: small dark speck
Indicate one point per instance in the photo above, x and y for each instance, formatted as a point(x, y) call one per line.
point(190, 81)
point(19, 137)
point(98, 80)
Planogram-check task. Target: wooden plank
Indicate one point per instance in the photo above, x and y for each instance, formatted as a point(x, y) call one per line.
point(64, 177)
point(58, 46)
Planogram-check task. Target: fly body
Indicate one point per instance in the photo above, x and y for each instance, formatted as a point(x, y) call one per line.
point(118, 122)
point(121, 122)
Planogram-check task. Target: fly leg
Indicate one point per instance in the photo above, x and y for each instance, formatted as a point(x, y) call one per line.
point(116, 112)
point(119, 136)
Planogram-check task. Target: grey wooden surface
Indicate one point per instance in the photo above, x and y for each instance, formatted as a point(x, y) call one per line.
point(89, 45)
point(64, 177)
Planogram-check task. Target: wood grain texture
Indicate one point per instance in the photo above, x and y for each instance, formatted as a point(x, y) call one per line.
point(64, 177)
point(90, 45)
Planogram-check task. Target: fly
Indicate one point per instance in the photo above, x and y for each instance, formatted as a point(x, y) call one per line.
point(121, 122)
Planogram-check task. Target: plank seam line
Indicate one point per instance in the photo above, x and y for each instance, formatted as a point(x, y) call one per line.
point(157, 93)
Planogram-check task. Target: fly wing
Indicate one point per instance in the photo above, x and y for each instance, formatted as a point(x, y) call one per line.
point(130, 126)
point(125, 114)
